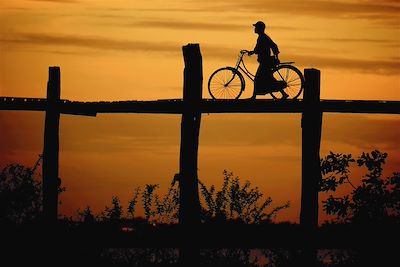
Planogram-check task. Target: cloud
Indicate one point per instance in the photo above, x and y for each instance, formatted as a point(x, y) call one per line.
point(111, 133)
point(128, 132)
point(383, 10)
point(362, 131)
point(123, 132)
point(387, 67)
point(57, 1)
point(21, 131)
point(16, 8)
point(208, 51)
point(189, 25)
point(352, 130)
point(351, 40)
point(168, 9)
point(95, 42)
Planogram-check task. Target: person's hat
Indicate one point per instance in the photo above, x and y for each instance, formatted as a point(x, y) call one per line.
point(259, 24)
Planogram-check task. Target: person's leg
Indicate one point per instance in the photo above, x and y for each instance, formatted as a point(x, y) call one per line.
point(261, 80)
point(257, 81)
point(271, 82)
point(284, 94)
point(278, 86)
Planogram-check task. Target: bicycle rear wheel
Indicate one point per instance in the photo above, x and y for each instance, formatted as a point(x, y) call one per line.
point(294, 81)
point(226, 83)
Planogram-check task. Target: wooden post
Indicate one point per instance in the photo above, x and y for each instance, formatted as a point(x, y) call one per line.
point(311, 174)
point(189, 210)
point(50, 150)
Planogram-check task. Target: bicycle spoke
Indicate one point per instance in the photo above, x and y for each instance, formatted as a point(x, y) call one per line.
point(294, 84)
point(226, 83)
point(293, 78)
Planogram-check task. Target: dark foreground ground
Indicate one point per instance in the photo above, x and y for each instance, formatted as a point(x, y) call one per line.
point(108, 244)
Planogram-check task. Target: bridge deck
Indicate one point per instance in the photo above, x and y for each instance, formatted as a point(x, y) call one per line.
point(176, 106)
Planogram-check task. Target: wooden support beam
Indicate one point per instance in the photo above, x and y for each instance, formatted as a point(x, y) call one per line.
point(189, 210)
point(311, 175)
point(51, 146)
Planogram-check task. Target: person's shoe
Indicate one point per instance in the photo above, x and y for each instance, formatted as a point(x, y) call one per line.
point(284, 95)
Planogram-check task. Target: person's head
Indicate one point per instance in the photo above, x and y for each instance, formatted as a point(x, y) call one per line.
point(259, 27)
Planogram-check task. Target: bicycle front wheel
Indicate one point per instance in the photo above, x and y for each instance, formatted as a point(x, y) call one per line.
point(293, 78)
point(226, 83)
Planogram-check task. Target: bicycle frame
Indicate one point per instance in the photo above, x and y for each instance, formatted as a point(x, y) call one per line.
point(245, 71)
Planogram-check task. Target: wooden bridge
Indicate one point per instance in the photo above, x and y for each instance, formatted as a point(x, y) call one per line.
point(175, 106)
point(191, 107)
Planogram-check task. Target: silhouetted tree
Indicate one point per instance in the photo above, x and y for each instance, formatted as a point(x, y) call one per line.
point(371, 210)
point(376, 199)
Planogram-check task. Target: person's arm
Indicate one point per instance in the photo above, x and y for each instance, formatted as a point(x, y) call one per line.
point(274, 47)
point(256, 48)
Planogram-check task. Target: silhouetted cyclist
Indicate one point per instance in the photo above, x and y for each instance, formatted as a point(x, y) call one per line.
point(264, 80)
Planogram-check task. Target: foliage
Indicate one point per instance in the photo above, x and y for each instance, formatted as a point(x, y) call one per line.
point(235, 202)
point(86, 215)
point(167, 208)
point(20, 194)
point(147, 198)
point(113, 213)
point(21, 197)
point(133, 202)
point(335, 171)
point(156, 209)
point(376, 199)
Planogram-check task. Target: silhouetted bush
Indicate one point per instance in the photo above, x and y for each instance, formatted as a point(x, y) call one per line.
point(233, 202)
point(371, 208)
point(236, 202)
point(20, 195)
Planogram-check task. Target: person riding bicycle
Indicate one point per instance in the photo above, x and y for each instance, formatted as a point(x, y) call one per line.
point(264, 81)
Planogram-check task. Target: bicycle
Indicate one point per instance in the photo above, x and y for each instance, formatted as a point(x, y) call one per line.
point(229, 83)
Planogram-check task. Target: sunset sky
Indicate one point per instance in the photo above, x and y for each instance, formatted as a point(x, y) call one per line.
point(132, 50)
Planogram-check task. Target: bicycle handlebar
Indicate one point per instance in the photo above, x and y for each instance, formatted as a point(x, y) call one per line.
point(244, 51)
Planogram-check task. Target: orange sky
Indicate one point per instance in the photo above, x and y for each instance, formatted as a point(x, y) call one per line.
point(112, 50)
